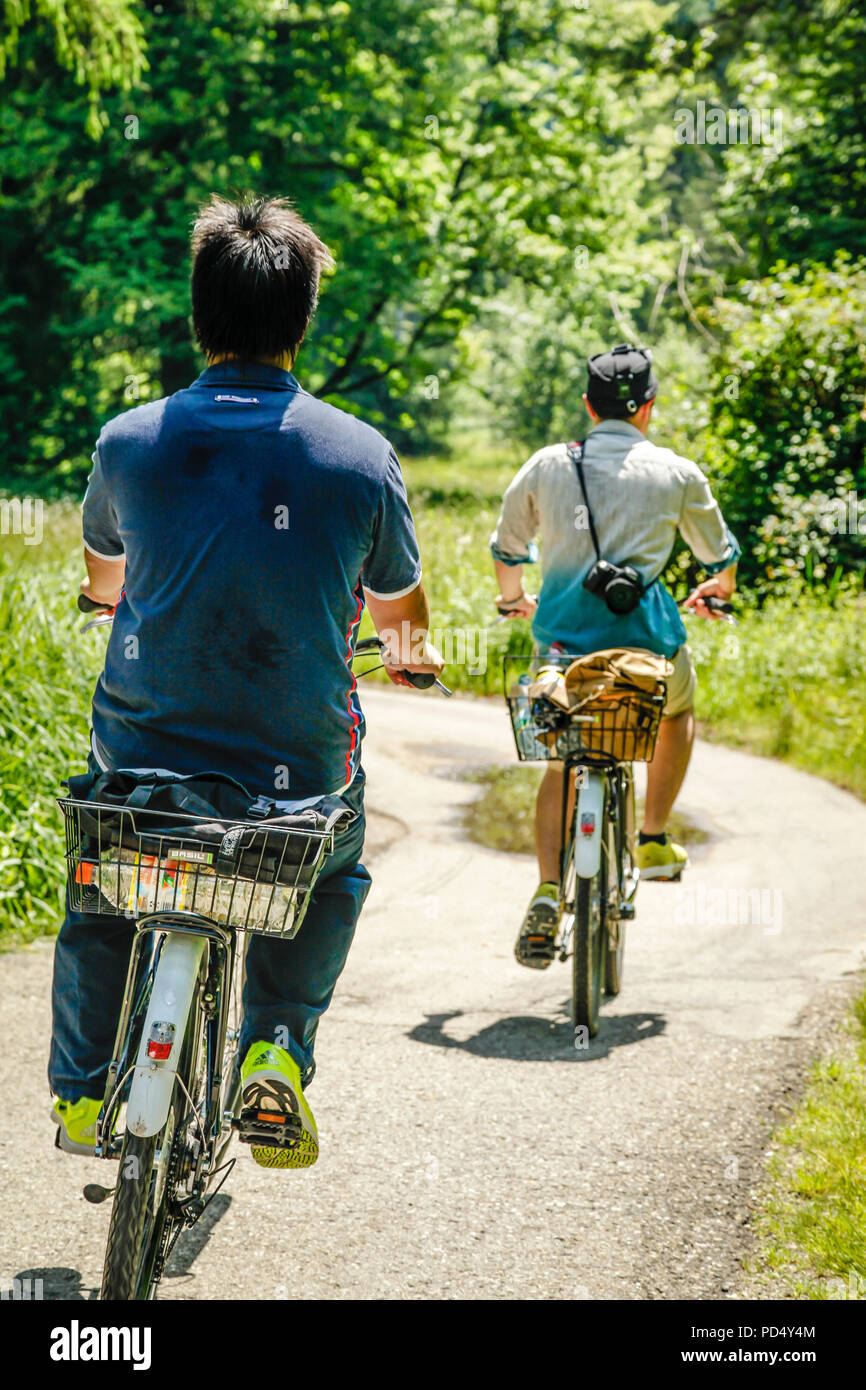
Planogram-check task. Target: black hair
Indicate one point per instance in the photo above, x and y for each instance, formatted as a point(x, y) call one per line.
point(255, 277)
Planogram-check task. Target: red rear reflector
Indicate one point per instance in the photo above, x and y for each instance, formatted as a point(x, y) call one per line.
point(158, 1051)
point(587, 823)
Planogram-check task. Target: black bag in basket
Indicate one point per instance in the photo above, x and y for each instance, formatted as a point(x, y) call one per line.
point(149, 809)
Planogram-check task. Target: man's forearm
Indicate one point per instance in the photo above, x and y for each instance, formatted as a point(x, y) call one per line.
point(510, 580)
point(402, 622)
point(105, 578)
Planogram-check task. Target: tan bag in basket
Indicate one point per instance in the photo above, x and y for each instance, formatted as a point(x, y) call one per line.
point(618, 686)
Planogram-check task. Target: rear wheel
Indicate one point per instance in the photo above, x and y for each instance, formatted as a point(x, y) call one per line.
point(620, 875)
point(145, 1218)
point(588, 957)
point(140, 1220)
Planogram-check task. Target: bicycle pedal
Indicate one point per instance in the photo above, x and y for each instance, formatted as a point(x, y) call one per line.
point(270, 1127)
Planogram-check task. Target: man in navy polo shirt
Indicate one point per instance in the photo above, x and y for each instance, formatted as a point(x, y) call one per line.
point(247, 524)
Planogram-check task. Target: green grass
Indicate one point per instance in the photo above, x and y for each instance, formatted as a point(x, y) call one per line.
point(788, 683)
point(47, 673)
point(811, 1222)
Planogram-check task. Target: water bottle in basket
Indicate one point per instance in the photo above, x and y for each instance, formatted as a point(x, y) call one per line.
point(522, 715)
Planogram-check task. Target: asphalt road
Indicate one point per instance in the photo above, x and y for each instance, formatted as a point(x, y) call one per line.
point(469, 1150)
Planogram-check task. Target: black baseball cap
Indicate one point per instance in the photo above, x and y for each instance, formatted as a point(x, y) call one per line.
point(621, 381)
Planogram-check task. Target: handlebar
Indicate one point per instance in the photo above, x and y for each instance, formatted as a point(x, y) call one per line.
point(422, 680)
point(89, 605)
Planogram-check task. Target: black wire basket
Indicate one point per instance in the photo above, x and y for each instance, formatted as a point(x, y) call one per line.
point(255, 877)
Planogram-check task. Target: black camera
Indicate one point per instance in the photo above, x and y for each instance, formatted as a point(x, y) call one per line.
point(619, 586)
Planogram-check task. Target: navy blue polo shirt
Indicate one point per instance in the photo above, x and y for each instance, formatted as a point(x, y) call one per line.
point(252, 516)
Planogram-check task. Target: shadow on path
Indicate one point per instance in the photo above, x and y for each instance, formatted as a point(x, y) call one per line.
point(530, 1039)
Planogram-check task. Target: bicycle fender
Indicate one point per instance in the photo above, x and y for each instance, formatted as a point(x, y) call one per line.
point(588, 817)
point(164, 1030)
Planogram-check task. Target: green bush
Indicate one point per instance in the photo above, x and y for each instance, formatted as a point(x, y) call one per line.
point(787, 427)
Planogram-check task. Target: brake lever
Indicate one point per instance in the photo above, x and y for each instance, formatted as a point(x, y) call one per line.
point(423, 680)
point(104, 620)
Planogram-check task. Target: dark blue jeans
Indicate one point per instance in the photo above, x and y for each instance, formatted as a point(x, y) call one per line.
point(289, 984)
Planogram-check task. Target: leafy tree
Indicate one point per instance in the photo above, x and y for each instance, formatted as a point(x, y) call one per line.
point(787, 427)
point(98, 41)
point(443, 151)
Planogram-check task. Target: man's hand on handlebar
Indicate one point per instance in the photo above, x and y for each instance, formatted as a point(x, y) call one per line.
point(523, 606)
point(719, 588)
point(429, 663)
point(89, 602)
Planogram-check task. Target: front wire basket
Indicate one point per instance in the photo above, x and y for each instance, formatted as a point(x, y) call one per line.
point(611, 728)
point(123, 863)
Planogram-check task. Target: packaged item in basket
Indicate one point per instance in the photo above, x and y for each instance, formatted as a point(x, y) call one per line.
point(137, 884)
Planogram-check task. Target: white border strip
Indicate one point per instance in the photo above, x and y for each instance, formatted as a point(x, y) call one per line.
point(399, 593)
point(99, 555)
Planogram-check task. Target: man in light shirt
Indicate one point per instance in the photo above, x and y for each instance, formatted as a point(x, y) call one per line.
point(640, 496)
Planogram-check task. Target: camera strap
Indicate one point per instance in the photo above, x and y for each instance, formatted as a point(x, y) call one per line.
point(575, 453)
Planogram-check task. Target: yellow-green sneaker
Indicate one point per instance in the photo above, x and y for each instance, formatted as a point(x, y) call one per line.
point(665, 861)
point(76, 1125)
point(275, 1118)
point(535, 946)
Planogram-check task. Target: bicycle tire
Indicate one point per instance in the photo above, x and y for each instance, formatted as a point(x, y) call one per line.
point(620, 840)
point(141, 1225)
point(136, 1232)
point(588, 956)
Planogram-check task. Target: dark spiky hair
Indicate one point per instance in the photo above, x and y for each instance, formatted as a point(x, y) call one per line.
point(255, 277)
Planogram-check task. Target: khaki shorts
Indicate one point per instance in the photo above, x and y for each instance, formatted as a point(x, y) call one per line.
point(682, 684)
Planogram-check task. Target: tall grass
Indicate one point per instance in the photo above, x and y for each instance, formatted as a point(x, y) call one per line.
point(47, 673)
point(811, 1220)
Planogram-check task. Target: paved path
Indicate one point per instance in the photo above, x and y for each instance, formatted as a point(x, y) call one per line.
point(468, 1149)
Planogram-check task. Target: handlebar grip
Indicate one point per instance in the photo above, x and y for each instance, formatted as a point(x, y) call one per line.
point(718, 605)
point(422, 680)
point(87, 605)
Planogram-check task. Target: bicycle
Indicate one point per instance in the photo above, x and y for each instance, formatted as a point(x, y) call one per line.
point(172, 1102)
point(598, 875)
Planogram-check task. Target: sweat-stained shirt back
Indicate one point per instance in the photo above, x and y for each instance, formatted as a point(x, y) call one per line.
point(250, 514)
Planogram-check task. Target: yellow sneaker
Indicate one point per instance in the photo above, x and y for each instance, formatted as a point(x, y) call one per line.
point(665, 861)
point(76, 1125)
point(275, 1118)
point(535, 946)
